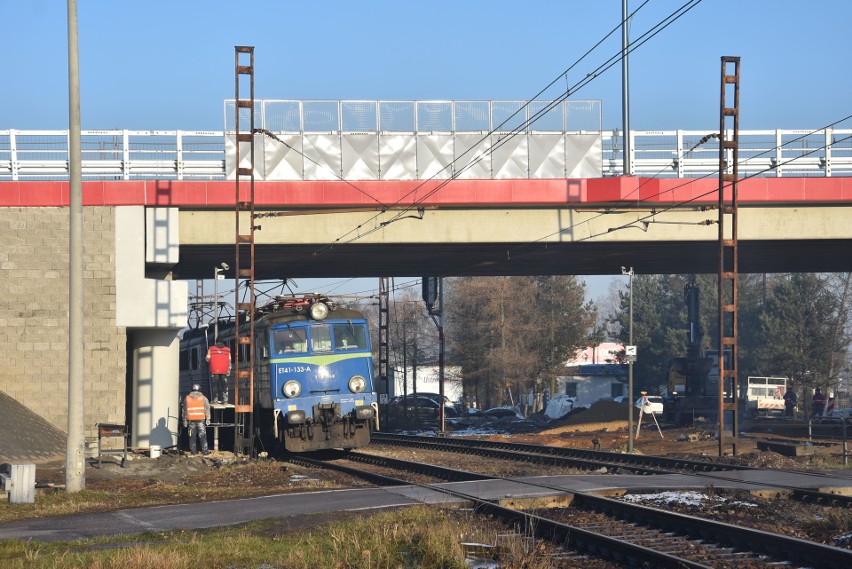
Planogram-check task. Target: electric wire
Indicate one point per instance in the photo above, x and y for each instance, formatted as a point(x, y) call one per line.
point(660, 26)
point(513, 253)
point(516, 252)
point(678, 205)
point(270, 134)
point(569, 91)
point(495, 129)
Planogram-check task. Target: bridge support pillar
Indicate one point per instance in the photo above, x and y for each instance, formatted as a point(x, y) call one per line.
point(153, 311)
point(154, 398)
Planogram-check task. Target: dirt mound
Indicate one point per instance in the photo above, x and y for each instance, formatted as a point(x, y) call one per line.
point(602, 416)
point(25, 436)
point(762, 460)
point(600, 412)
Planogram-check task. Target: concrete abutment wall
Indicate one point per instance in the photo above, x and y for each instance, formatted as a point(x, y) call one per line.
point(120, 305)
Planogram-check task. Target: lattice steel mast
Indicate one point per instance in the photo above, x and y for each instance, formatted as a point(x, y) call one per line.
point(384, 345)
point(729, 118)
point(244, 258)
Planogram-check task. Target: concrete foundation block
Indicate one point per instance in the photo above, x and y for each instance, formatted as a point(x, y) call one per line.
point(786, 449)
point(18, 480)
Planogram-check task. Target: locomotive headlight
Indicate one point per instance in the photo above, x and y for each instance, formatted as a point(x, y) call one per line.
point(357, 384)
point(318, 310)
point(291, 389)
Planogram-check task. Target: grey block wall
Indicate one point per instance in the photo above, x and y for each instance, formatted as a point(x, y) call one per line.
point(34, 314)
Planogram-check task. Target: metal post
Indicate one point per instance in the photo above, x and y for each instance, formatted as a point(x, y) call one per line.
point(75, 473)
point(441, 352)
point(216, 271)
point(626, 168)
point(433, 290)
point(384, 347)
point(215, 304)
point(630, 365)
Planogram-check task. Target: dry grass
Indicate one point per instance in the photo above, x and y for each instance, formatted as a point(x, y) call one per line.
point(239, 481)
point(830, 520)
point(414, 537)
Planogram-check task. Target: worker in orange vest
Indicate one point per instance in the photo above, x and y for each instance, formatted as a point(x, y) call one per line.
point(196, 417)
point(219, 358)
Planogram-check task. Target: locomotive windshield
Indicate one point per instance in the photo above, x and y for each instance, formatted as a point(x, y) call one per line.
point(350, 336)
point(292, 341)
point(346, 337)
point(320, 338)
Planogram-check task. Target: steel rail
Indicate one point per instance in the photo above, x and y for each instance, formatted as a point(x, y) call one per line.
point(572, 537)
point(758, 542)
point(649, 463)
point(612, 461)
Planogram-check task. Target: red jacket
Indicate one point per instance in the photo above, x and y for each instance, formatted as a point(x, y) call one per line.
point(220, 359)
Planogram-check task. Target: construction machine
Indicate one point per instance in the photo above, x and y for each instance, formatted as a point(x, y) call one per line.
point(693, 392)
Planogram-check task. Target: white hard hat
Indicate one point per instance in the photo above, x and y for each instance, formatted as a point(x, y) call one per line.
point(196, 387)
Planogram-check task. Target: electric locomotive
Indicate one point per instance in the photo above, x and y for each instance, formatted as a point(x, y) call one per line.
point(313, 377)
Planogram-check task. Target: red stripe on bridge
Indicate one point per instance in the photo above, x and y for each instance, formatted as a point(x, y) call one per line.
point(476, 193)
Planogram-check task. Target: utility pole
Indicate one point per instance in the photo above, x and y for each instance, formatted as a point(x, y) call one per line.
point(75, 472)
point(630, 353)
point(627, 167)
point(433, 290)
point(438, 316)
point(216, 271)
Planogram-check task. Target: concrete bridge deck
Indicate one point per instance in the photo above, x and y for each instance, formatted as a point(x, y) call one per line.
point(482, 227)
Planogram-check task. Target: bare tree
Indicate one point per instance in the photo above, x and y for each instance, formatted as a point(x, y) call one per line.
point(413, 339)
point(510, 333)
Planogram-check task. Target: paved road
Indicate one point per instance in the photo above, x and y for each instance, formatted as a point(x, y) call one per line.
point(230, 512)
point(195, 516)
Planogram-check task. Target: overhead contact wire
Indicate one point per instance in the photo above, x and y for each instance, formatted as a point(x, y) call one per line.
point(660, 26)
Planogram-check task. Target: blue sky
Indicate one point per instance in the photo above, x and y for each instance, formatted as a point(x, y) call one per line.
point(169, 64)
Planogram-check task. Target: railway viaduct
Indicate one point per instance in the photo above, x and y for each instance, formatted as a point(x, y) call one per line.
point(144, 240)
point(159, 210)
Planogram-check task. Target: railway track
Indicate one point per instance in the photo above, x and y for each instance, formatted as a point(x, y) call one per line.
point(578, 458)
point(613, 462)
point(626, 533)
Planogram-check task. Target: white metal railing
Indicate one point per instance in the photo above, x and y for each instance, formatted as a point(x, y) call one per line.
point(182, 155)
point(113, 154)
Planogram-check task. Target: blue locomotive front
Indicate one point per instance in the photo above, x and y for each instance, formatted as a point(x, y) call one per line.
point(314, 379)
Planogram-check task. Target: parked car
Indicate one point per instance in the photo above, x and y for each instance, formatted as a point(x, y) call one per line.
point(422, 407)
point(837, 416)
point(503, 413)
